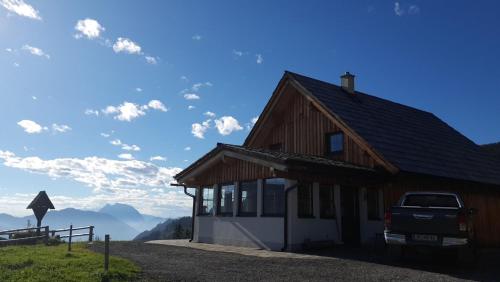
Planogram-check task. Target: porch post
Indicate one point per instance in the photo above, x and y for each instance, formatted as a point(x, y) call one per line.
point(338, 211)
point(260, 191)
point(236, 198)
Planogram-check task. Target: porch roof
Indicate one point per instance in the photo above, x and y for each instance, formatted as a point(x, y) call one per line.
point(282, 161)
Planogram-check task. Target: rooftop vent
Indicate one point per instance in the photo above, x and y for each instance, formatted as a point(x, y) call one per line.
point(347, 82)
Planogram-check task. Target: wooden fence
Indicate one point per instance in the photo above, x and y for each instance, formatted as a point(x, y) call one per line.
point(46, 234)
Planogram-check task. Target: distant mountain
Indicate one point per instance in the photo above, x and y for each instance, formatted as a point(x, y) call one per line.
point(179, 228)
point(8, 221)
point(131, 216)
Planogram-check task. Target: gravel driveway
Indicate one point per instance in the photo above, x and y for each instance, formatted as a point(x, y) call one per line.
point(170, 263)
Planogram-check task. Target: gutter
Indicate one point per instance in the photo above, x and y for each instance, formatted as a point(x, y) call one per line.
point(285, 219)
point(194, 201)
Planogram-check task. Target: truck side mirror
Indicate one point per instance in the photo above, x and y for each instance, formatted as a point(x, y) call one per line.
point(472, 211)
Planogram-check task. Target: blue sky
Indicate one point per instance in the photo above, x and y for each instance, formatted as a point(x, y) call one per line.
point(96, 95)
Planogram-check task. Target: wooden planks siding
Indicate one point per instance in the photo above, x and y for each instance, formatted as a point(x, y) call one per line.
point(485, 199)
point(231, 170)
point(301, 128)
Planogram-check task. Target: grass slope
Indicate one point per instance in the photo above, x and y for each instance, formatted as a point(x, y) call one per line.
point(54, 263)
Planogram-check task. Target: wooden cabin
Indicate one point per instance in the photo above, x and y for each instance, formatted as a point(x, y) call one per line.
point(323, 163)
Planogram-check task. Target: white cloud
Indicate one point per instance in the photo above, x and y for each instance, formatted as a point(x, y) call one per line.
point(35, 51)
point(198, 130)
point(91, 112)
point(89, 28)
point(115, 142)
point(209, 114)
point(34, 97)
point(8, 50)
point(191, 107)
point(227, 124)
point(238, 53)
point(61, 128)
point(252, 123)
point(30, 126)
point(127, 147)
point(94, 171)
point(254, 120)
point(157, 105)
point(105, 135)
point(197, 37)
point(260, 59)
point(187, 148)
point(151, 60)
point(191, 96)
point(413, 10)
point(127, 46)
point(125, 112)
point(138, 89)
point(126, 156)
point(184, 78)
point(158, 158)
point(197, 86)
point(397, 9)
point(16, 64)
point(129, 111)
point(21, 8)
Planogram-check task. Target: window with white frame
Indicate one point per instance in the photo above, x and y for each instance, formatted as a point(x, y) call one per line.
point(273, 197)
point(248, 198)
point(226, 199)
point(207, 201)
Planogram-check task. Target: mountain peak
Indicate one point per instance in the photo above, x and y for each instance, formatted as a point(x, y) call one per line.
point(122, 211)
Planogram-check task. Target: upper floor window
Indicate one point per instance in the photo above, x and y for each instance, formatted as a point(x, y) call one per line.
point(335, 143)
point(226, 199)
point(207, 201)
point(274, 197)
point(305, 200)
point(248, 198)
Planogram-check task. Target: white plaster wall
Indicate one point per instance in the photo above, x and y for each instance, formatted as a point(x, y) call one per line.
point(315, 229)
point(256, 232)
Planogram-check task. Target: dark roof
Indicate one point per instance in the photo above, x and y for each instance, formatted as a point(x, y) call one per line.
point(413, 140)
point(41, 200)
point(289, 159)
point(492, 149)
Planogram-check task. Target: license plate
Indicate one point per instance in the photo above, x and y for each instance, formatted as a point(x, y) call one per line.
point(424, 237)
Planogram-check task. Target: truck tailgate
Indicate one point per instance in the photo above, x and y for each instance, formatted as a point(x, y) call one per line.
point(440, 221)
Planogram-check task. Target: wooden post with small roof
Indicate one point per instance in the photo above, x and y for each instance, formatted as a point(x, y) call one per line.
point(40, 205)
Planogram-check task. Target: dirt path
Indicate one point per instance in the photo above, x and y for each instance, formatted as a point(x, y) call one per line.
point(171, 263)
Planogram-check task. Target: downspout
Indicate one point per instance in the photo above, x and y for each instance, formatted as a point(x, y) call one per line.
point(194, 201)
point(285, 220)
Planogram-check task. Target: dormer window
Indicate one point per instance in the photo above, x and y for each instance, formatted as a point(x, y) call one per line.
point(334, 143)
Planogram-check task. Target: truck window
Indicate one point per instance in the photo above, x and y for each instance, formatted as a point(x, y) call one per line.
point(431, 200)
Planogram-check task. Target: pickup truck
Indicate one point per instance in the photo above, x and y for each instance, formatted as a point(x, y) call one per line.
point(430, 219)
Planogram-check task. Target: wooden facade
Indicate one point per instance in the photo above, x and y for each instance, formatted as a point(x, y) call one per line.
point(300, 127)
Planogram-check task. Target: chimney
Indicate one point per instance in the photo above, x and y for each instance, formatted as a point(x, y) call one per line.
point(347, 82)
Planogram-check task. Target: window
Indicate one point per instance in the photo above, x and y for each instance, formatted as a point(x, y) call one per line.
point(327, 201)
point(274, 197)
point(305, 200)
point(431, 200)
point(248, 199)
point(226, 199)
point(373, 202)
point(335, 143)
point(207, 201)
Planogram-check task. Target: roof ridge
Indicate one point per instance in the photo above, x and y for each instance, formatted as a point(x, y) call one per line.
point(358, 92)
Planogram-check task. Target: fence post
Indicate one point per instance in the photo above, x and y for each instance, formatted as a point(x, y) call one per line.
point(106, 252)
point(70, 235)
point(46, 235)
point(91, 233)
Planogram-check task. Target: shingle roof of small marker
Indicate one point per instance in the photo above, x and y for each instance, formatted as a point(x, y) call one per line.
point(413, 140)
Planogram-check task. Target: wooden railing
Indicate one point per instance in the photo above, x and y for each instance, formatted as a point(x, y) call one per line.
point(12, 232)
point(46, 234)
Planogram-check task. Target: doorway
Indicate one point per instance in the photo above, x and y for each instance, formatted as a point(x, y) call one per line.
point(349, 207)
